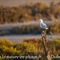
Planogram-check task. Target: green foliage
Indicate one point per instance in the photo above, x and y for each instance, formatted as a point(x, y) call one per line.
point(54, 46)
point(5, 42)
point(27, 47)
point(6, 48)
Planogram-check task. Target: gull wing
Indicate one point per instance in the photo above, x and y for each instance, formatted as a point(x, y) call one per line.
point(43, 25)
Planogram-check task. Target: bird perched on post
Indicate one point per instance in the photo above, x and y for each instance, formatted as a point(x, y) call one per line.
point(43, 25)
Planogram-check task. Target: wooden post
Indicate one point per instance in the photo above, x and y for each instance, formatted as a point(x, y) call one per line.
point(44, 42)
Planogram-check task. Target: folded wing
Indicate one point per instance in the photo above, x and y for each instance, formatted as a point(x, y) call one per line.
point(43, 25)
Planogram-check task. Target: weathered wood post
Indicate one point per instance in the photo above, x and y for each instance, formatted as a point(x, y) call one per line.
point(44, 27)
point(44, 42)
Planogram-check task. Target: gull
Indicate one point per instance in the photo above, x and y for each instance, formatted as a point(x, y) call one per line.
point(42, 24)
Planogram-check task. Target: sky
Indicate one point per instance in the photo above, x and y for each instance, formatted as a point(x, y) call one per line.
point(21, 2)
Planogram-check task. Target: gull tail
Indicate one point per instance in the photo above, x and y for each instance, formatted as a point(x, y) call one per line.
point(46, 28)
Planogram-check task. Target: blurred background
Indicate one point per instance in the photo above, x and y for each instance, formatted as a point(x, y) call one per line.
point(21, 18)
point(20, 33)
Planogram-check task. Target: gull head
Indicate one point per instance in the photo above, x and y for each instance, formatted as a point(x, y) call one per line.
point(41, 20)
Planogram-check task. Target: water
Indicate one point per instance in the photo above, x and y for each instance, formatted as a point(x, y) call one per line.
point(18, 38)
point(9, 26)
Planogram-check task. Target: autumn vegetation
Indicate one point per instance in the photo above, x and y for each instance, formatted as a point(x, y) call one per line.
point(28, 12)
point(25, 13)
point(32, 47)
point(29, 29)
point(35, 29)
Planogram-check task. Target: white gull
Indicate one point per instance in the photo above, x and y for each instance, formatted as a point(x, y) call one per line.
point(42, 24)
